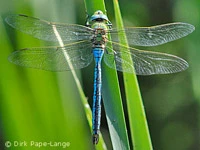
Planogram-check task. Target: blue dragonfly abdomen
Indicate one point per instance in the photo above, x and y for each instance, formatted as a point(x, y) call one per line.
point(96, 112)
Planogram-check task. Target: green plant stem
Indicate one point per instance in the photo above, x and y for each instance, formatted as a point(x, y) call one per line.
point(137, 118)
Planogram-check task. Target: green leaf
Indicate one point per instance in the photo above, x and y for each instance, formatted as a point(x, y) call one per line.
point(138, 123)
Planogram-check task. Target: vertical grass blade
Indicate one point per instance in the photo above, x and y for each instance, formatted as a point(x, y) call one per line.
point(138, 123)
point(111, 95)
point(83, 98)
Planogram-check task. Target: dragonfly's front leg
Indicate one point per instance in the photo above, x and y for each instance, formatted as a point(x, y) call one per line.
point(109, 24)
point(87, 22)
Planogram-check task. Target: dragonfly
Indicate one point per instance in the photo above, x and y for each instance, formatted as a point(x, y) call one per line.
point(84, 43)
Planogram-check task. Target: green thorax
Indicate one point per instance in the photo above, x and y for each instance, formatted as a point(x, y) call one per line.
point(100, 33)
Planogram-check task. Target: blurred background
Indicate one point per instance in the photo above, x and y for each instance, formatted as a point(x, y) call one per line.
point(38, 105)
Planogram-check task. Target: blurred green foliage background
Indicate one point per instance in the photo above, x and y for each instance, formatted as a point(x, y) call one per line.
point(37, 105)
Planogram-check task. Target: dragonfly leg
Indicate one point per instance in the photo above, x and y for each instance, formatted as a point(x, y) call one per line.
point(87, 23)
point(109, 24)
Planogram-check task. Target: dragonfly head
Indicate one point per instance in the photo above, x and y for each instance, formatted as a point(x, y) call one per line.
point(99, 16)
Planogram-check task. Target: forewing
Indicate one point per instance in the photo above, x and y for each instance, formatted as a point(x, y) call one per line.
point(144, 62)
point(45, 30)
point(72, 56)
point(155, 35)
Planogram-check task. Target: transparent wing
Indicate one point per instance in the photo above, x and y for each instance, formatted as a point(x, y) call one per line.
point(72, 56)
point(155, 35)
point(144, 62)
point(45, 30)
